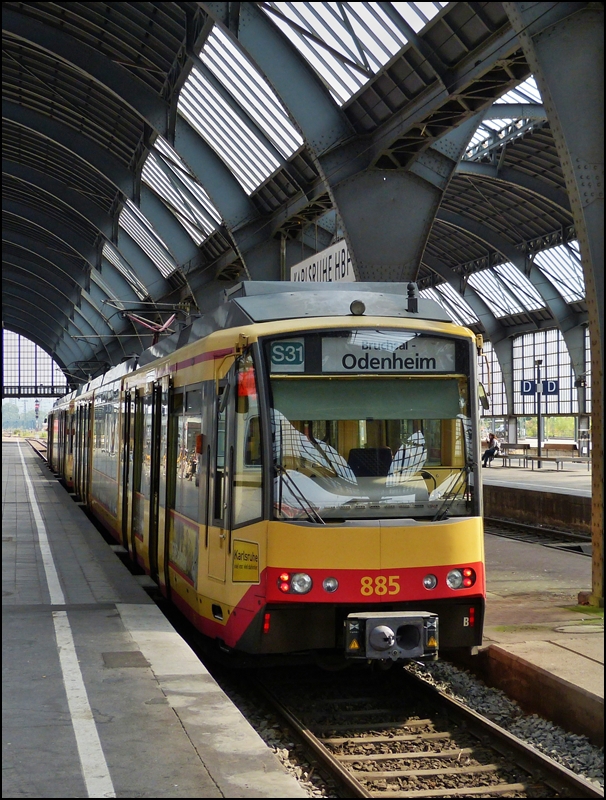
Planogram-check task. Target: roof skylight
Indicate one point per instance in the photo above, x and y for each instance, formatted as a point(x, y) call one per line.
point(562, 265)
point(168, 176)
point(452, 302)
point(139, 228)
point(112, 255)
point(347, 43)
point(526, 93)
point(522, 287)
point(234, 141)
point(501, 301)
point(230, 66)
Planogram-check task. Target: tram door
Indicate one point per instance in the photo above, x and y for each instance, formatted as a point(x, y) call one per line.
point(219, 506)
point(78, 454)
point(128, 446)
point(85, 451)
point(136, 475)
point(165, 470)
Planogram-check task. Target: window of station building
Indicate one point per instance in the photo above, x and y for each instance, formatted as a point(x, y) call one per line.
point(586, 379)
point(491, 376)
point(29, 370)
point(560, 395)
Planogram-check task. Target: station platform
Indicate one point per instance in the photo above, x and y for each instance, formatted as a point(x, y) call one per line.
point(101, 696)
point(574, 479)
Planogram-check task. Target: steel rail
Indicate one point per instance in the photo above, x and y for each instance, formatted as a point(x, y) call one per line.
point(540, 767)
point(532, 760)
point(573, 536)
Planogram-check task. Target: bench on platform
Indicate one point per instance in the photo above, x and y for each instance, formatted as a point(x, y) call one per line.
point(511, 451)
point(561, 449)
point(507, 447)
point(506, 459)
point(559, 462)
point(575, 460)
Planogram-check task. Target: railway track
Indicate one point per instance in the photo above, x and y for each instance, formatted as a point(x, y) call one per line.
point(537, 534)
point(392, 735)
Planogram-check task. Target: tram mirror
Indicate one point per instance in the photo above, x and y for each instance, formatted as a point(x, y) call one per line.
point(484, 401)
point(224, 398)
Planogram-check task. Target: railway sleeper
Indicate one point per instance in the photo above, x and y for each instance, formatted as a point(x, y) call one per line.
point(459, 791)
point(424, 773)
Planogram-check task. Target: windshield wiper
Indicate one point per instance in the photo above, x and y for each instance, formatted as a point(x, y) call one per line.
point(298, 495)
point(448, 501)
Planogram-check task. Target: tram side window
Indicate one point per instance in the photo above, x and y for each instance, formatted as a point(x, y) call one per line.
point(247, 491)
point(188, 408)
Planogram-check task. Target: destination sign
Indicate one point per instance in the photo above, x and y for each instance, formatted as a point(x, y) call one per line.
point(387, 351)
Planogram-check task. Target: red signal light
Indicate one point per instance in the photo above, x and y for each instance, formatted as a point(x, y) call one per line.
point(284, 577)
point(266, 621)
point(469, 577)
point(472, 616)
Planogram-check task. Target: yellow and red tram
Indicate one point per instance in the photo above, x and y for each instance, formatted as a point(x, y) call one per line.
point(298, 471)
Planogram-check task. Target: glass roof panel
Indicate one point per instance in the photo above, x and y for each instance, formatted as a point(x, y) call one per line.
point(173, 160)
point(562, 265)
point(521, 286)
point(139, 228)
point(347, 43)
point(500, 301)
point(242, 80)
point(527, 92)
point(189, 213)
point(452, 302)
point(112, 255)
point(234, 140)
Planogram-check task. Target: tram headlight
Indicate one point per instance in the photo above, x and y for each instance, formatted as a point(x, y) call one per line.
point(461, 578)
point(330, 584)
point(300, 583)
point(454, 579)
point(430, 581)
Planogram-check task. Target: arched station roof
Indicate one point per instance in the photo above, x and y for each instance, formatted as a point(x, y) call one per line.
point(154, 153)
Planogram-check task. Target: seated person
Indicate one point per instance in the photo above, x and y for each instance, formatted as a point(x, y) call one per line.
point(493, 448)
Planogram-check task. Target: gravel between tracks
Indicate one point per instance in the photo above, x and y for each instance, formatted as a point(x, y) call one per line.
point(568, 749)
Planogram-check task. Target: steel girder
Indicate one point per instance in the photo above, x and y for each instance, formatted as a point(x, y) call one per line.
point(517, 178)
point(351, 164)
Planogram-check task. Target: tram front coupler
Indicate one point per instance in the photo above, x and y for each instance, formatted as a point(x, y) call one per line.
point(391, 635)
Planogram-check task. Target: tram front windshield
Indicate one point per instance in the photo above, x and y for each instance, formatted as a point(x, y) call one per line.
point(368, 447)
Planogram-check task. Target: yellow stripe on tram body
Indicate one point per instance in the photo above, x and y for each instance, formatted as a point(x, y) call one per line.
point(375, 547)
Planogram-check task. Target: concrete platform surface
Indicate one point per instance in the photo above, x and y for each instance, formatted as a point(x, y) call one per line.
point(540, 647)
point(101, 697)
point(573, 479)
